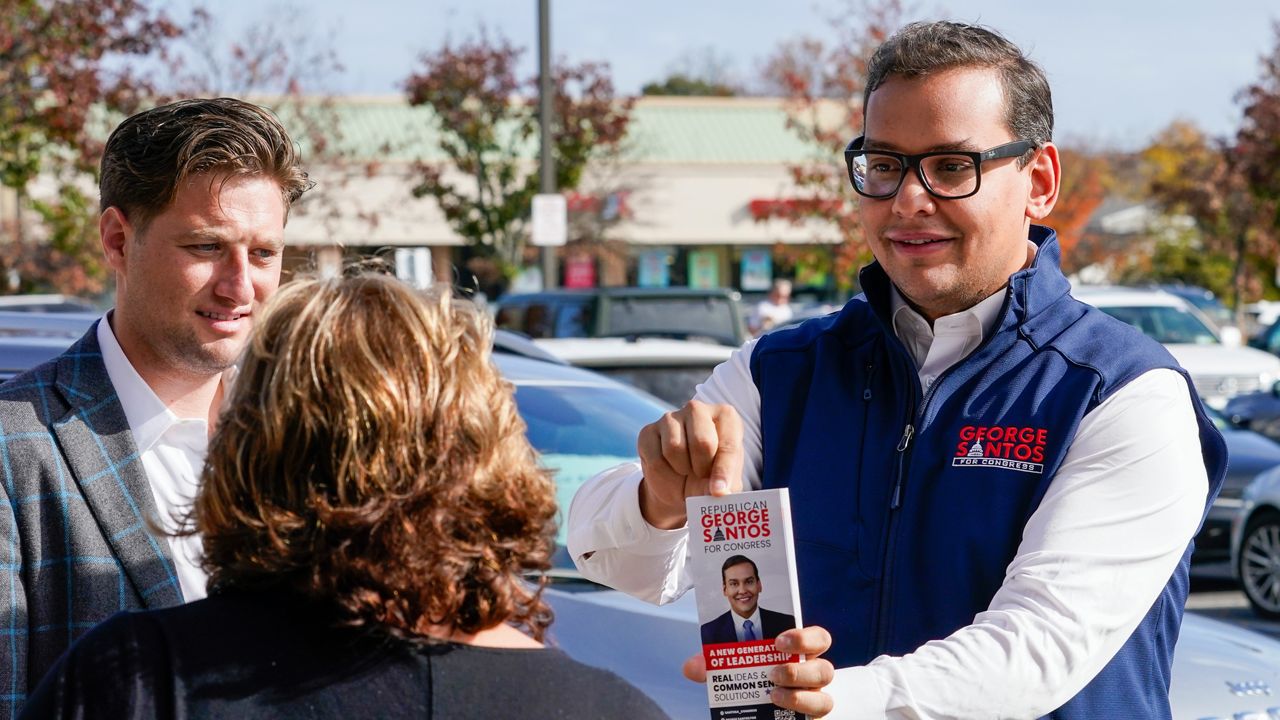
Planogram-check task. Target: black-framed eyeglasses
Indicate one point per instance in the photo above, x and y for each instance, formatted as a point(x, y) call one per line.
point(945, 174)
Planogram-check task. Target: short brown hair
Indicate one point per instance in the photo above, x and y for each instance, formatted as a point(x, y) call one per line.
point(371, 458)
point(923, 47)
point(736, 560)
point(151, 154)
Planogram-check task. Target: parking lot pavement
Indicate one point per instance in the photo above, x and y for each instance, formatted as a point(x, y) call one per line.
point(1215, 594)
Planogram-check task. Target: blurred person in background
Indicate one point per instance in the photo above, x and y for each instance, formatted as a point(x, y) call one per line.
point(774, 309)
point(369, 509)
point(111, 434)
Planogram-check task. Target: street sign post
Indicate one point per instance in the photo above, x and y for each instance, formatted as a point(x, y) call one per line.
point(550, 220)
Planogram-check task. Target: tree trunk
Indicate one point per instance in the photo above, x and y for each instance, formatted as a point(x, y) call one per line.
point(1237, 282)
point(18, 230)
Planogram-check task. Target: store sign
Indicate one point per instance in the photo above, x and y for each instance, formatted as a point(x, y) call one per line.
point(579, 271)
point(654, 268)
point(757, 270)
point(550, 220)
point(704, 269)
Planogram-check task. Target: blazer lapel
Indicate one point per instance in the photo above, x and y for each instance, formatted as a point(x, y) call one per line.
point(103, 458)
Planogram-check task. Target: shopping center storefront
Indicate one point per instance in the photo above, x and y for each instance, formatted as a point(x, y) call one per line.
point(679, 209)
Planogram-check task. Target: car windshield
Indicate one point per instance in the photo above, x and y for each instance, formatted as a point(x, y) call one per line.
point(583, 429)
point(1165, 324)
point(675, 384)
point(1216, 311)
point(680, 317)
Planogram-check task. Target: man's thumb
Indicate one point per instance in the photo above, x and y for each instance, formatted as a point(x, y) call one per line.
point(695, 668)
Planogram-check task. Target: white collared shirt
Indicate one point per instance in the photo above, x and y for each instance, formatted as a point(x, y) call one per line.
point(949, 340)
point(1094, 556)
point(172, 451)
point(740, 624)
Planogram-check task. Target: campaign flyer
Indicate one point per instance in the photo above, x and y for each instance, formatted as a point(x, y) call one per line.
point(742, 560)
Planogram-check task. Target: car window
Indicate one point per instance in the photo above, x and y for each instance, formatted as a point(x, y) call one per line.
point(1217, 312)
point(689, 317)
point(1273, 339)
point(580, 430)
point(575, 320)
point(510, 317)
point(673, 384)
point(537, 320)
point(1206, 303)
point(1165, 324)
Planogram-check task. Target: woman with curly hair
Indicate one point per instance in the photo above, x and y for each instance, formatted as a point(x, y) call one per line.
point(370, 509)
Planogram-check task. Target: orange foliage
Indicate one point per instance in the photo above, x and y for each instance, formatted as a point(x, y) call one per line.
point(1085, 179)
point(811, 73)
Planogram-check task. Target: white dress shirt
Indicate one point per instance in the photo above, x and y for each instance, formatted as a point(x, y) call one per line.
point(172, 451)
point(951, 338)
point(1094, 556)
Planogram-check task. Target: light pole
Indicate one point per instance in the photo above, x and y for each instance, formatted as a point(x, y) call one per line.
point(547, 170)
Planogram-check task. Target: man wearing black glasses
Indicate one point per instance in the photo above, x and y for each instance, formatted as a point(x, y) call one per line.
point(994, 486)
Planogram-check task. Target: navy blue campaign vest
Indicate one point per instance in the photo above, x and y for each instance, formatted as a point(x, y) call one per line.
point(909, 506)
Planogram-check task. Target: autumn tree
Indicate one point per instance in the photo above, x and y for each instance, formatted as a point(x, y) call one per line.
point(822, 81)
point(62, 61)
point(1203, 178)
point(1086, 179)
point(275, 56)
point(1178, 256)
point(1257, 149)
point(487, 121)
point(1231, 187)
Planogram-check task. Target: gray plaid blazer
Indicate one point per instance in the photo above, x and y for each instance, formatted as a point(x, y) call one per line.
point(75, 542)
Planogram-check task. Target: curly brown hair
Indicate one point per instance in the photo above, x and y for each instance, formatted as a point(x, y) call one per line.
point(371, 457)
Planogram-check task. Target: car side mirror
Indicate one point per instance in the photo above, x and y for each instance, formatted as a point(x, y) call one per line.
point(1231, 336)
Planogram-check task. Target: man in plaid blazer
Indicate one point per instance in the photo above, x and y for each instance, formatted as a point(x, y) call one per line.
point(101, 447)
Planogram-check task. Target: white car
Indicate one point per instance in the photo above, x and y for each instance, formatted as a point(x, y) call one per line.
point(1220, 370)
point(47, 304)
point(668, 368)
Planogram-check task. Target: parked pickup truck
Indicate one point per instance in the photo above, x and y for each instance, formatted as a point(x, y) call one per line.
point(683, 313)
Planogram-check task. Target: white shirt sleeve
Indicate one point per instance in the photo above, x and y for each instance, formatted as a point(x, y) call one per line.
point(1094, 556)
point(608, 538)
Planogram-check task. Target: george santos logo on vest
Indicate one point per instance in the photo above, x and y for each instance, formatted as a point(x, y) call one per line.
point(1011, 447)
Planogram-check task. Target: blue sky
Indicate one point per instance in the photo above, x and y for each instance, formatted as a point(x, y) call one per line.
point(1120, 69)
